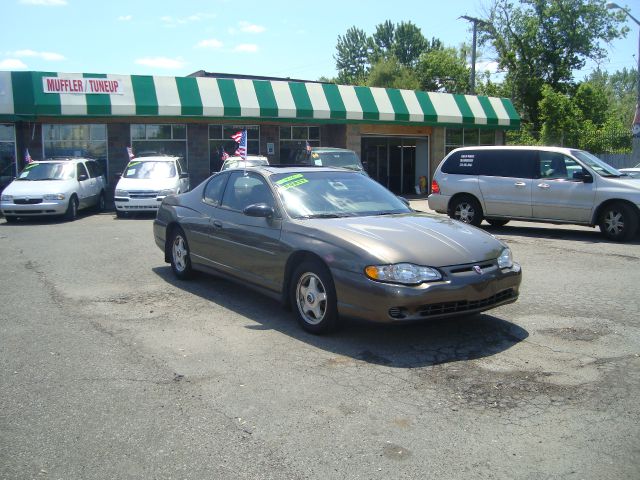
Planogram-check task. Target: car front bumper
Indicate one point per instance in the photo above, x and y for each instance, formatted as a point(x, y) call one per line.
point(126, 204)
point(460, 293)
point(43, 207)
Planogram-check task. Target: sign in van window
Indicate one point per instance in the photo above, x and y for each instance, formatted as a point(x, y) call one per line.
point(82, 86)
point(466, 160)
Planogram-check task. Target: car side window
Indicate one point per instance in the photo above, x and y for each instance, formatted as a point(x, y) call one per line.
point(507, 163)
point(557, 166)
point(94, 169)
point(81, 170)
point(461, 163)
point(213, 190)
point(244, 190)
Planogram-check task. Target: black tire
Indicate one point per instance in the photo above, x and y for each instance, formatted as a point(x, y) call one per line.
point(497, 222)
point(313, 297)
point(466, 209)
point(72, 210)
point(618, 222)
point(179, 254)
point(11, 218)
point(120, 214)
point(101, 204)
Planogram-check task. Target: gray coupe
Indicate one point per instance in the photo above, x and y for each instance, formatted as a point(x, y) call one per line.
point(332, 243)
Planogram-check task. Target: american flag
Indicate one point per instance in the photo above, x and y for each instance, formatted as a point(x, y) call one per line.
point(130, 153)
point(308, 147)
point(224, 156)
point(27, 156)
point(241, 139)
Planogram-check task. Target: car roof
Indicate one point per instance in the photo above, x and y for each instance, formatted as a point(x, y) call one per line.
point(155, 158)
point(330, 149)
point(517, 147)
point(249, 157)
point(64, 159)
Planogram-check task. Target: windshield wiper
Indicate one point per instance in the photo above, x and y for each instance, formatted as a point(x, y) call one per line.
point(326, 215)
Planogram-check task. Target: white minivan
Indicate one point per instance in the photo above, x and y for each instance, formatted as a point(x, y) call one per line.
point(146, 181)
point(541, 184)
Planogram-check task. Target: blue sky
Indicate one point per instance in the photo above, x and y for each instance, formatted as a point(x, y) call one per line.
point(283, 38)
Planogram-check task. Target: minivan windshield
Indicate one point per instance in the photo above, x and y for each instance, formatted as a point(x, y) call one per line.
point(601, 168)
point(344, 159)
point(48, 171)
point(150, 169)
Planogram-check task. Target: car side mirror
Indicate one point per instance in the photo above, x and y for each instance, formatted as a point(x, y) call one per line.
point(259, 210)
point(184, 175)
point(82, 177)
point(586, 177)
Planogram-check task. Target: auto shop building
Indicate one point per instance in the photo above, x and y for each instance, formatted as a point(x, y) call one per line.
point(401, 135)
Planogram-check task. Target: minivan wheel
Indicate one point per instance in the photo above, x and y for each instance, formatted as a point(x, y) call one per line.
point(72, 209)
point(467, 210)
point(100, 206)
point(618, 222)
point(313, 296)
point(180, 255)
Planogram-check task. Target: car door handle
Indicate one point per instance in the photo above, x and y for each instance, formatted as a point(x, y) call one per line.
point(217, 223)
point(520, 184)
point(544, 185)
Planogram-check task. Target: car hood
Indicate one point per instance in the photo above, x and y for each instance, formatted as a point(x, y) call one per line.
point(146, 183)
point(38, 187)
point(422, 239)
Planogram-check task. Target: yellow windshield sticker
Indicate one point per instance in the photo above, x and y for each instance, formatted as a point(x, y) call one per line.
point(292, 181)
point(131, 164)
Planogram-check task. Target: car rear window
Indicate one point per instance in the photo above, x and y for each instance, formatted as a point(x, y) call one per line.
point(461, 163)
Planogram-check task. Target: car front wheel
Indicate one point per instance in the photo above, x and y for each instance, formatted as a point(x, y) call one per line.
point(466, 209)
point(618, 222)
point(72, 209)
point(314, 297)
point(180, 259)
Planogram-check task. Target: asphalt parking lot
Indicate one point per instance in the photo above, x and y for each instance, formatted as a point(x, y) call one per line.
point(111, 368)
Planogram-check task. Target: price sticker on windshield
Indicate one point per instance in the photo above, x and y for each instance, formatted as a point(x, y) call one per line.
point(292, 181)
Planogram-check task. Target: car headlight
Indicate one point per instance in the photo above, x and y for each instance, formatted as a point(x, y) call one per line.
point(121, 193)
point(7, 198)
point(505, 260)
point(168, 191)
point(404, 273)
point(54, 196)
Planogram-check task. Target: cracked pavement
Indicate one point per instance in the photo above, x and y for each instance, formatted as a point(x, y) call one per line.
point(111, 368)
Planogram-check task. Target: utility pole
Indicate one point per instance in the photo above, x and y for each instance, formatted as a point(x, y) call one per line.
point(475, 22)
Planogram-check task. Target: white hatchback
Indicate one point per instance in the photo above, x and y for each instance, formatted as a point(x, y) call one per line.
point(59, 186)
point(146, 181)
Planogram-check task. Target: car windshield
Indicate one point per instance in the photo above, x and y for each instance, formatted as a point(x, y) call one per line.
point(48, 171)
point(346, 159)
point(334, 194)
point(150, 169)
point(601, 168)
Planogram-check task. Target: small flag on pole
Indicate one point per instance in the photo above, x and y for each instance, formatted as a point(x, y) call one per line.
point(241, 140)
point(130, 153)
point(27, 156)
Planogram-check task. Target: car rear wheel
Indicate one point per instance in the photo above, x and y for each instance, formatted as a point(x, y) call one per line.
point(497, 222)
point(180, 259)
point(466, 209)
point(314, 297)
point(618, 222)
point(72, 210)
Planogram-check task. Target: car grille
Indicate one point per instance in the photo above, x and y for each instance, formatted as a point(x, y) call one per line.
point(460, 306)
point(27, 201)
point(143, 194)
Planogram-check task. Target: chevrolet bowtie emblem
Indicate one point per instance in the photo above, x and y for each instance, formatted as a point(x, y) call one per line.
point(477, 269)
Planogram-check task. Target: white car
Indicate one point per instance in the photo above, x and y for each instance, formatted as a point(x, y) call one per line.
point(239, 162)
point(146, 181)
point(59, 186)
point(540, 184)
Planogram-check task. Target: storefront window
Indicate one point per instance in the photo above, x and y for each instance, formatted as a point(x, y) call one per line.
point(76, 141)
point(7, 154)
point(294, 138)
point(220, 142)
point(468, 137)
point(159, 139)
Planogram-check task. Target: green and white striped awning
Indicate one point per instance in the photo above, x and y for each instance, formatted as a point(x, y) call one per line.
point(30, 95)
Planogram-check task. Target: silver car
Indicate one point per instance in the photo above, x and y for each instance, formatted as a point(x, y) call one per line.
point(333, 243)
point(541, 184)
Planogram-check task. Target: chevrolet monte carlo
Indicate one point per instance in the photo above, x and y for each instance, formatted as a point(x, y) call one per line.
point(331, 243)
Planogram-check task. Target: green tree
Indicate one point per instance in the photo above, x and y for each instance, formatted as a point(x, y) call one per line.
point(561, 119)
point(390, 73)
point(408, 44)
point(592, 101)
point(543, 42)
point(443, 70)
point(352, 57)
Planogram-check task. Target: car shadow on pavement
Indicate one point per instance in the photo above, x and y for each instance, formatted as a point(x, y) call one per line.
point(555, 233)
point(400, 346)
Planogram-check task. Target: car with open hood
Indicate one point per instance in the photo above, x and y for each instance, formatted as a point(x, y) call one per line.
point(332, 243)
